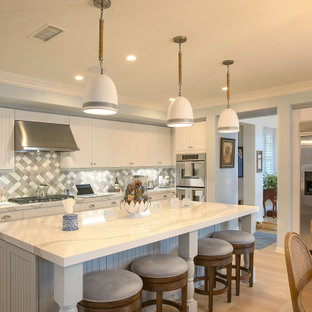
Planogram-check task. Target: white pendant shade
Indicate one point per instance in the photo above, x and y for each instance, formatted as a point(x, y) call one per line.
point(228, 121)
point(180, 113)
point(101, 97)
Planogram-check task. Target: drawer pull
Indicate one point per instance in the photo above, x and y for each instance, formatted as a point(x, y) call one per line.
point(91, 206)
point(165, 196)
point(6, 217)
point(113, 203)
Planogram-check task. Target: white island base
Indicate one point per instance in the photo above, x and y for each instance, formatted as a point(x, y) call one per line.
point(69, 251)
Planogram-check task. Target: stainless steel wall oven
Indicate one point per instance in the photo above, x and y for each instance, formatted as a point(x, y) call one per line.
point(191, 176)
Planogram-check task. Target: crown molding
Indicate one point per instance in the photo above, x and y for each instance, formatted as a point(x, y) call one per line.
point(293, 88)
point(17, 80)
point(39, 84)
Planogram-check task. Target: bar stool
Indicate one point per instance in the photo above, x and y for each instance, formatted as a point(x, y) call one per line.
point(111, 290)
point(214, 253)
point(162, 273)
point(243, 243)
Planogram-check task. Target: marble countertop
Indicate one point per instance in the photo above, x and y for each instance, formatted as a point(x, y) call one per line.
point(9, 206)
point(101, 234)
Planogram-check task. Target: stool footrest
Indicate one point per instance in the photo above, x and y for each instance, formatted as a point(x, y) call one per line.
point(164, 301)
point(242, 277)
point(215, 291)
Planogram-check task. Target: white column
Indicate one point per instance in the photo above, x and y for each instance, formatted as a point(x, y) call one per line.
point(68, 286)
point(188, 250)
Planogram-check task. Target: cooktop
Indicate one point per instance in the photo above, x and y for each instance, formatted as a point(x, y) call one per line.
point(37, 199)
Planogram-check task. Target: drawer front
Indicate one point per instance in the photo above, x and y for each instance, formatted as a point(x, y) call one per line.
point(39, 212)
point(161, 196)
point(10, 215)
point(111, 203)
point(89, 206)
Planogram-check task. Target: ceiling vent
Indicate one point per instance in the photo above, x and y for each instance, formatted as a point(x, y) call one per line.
point(46, 33)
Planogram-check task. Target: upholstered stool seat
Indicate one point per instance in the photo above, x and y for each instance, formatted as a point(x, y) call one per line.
point(162, 273)
point(243, 244)
point(235, 237)
point(214, 253)
point(111, 290)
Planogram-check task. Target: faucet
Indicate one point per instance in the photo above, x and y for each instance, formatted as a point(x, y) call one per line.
point(42, 190)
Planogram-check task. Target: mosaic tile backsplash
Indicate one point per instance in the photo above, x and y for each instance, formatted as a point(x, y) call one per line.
point(34, 168)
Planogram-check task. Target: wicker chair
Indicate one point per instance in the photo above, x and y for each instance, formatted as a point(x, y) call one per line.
point(299, 265)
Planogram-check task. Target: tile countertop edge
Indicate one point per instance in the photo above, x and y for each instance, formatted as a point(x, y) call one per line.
point(82, 257)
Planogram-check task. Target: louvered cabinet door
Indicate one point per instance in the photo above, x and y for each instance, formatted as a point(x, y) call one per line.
point(6, 139)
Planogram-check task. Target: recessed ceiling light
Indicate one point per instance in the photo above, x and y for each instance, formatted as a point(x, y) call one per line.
point(131, 58)
point(224, 88)
point(79, 77)
point(171, 99)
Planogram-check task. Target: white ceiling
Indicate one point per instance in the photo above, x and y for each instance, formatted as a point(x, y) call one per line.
point(270, 42)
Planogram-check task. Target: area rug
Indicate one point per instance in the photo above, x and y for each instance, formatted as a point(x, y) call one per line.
point(264, 240)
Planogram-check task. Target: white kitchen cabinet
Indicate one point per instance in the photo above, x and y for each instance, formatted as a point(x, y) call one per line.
point(189, 139)
point(129, 145)
point(3, 267)
point(82, 131)
point(18, 282)
point(159, 146)
point(102, 143)
point(6, 139)
point(138, 145)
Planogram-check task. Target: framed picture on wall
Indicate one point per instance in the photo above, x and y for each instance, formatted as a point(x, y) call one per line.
point(259, 160)
point(227, 153)
point(240, 162)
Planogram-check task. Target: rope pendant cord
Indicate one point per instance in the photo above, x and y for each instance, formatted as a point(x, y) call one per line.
point(101, 32)
point(228, 86)
point(180, 69)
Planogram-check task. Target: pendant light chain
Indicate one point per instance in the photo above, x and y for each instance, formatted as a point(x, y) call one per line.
point(180, 70)
point(228, 86)
point(101, 31)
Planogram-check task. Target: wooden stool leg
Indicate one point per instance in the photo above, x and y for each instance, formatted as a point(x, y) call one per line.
point(206, 278)
point(251, 267)
point(229, 281)
point(211, 284)
point(215, 278)
point(159, 301)
point(184, 298)
point(238, 260)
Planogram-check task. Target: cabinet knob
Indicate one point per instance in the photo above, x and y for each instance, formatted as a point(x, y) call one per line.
point(165, 196)
point(113, 203)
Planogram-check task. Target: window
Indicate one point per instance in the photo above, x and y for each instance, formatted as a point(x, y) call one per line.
point(269, 151)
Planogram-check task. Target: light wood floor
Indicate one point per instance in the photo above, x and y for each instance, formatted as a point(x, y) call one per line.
point(269, 293)
point(270, 290)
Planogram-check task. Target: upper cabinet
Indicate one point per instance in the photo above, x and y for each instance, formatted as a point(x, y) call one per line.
point(189, 139)
point(82, 132)
point(117, 144)
point(6, 139)
point(159, 146)
point(129, 145)
point(102, 143)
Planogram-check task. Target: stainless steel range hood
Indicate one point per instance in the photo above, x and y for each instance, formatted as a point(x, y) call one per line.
point(41, 136)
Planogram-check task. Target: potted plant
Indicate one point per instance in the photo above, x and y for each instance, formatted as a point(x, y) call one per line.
point(270, 182)
point(270, 191)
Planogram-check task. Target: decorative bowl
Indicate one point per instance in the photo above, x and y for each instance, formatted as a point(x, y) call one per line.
point(138, 209)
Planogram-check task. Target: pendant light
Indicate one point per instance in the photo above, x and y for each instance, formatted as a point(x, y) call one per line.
point(180, 112)
point(101, 96)
point(228, 120)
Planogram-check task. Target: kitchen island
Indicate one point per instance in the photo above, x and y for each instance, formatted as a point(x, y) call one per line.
point(101, 234)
